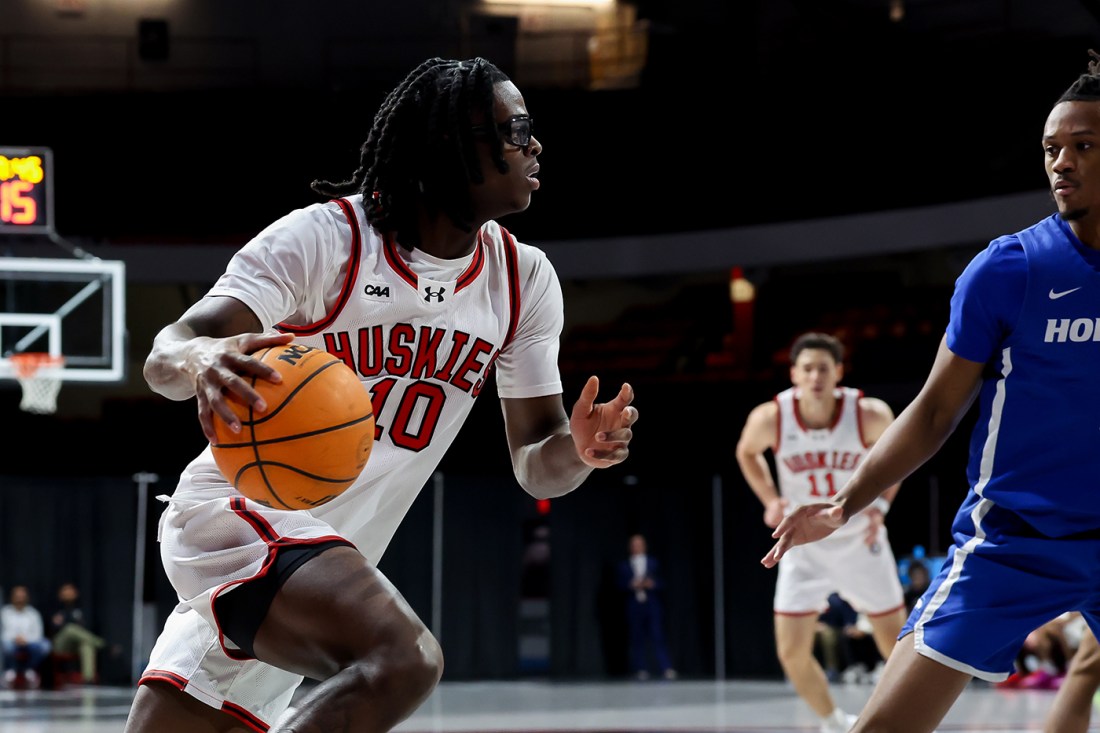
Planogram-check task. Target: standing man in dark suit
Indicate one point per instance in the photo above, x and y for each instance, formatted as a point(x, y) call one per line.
point(639, 578)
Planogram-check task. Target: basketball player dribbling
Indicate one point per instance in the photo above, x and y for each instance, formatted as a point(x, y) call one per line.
point(1023, 340)
point(405, 275)
point(818, 431)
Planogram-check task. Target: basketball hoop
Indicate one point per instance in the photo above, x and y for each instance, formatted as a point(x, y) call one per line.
point(40, 378)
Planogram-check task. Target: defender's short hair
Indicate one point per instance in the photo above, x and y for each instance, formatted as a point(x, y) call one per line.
point(816, 340)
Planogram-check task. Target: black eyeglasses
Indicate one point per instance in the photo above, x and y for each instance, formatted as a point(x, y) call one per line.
point(516, 130)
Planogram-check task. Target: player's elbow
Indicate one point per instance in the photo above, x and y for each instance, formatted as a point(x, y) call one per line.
point(547, 489)
point(745, 456)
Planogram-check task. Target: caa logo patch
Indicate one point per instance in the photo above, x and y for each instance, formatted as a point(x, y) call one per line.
point(377, 292)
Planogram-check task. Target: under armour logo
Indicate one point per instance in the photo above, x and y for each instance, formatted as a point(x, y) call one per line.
point(428, 295)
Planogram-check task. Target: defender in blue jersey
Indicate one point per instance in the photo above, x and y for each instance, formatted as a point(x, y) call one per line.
point(1024, 341)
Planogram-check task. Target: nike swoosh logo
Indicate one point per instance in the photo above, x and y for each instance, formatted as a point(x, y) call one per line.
point(1055, 296)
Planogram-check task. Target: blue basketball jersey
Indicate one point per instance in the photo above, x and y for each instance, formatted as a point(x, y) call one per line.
point(1029, 307)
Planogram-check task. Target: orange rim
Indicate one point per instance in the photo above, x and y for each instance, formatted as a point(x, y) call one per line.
point(29, 362)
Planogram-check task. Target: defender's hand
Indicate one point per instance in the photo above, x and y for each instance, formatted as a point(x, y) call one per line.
point(807, 523)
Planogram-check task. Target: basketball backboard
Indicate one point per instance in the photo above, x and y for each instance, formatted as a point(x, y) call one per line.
point(70, 308)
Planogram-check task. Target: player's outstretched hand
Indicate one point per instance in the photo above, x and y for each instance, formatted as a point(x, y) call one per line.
point(807, 523)
point(225, 366)
point(602, 432)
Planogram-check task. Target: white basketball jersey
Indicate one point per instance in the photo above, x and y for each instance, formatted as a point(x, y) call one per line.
point(422, 333)
point(813, 464)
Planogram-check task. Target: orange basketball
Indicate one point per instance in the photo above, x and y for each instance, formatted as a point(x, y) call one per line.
point(312, 441)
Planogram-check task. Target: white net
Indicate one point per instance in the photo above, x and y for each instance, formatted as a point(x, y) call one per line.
point(39, 377)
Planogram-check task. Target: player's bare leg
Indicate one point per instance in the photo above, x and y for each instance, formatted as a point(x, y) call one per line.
point(162, 708)
point(341, 621)
point(338, 620)
point(794, 641)
point(1071, 710)
point(885, 628)
point(913, 695)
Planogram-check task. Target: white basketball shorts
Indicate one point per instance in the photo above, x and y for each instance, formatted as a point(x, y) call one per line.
point(211, 542)
point(865, 576)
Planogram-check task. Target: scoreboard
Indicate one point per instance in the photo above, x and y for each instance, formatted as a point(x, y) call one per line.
point(26, 190)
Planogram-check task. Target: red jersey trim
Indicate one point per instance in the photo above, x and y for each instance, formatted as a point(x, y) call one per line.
point(397, 264)
point(349, 279)
point(475, 268)
point(244, 716)
point(778, 423)
point(265, 530)
point(838, 412)
point(511, 256)
point(274, 541)
point(163, 675)
point(859, 420)
point(179, 682)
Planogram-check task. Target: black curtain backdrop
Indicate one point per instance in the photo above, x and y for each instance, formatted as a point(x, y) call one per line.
point(589, 531)
point(482, 552)
point(78, 529)
point(481, 570)
point(84, 528)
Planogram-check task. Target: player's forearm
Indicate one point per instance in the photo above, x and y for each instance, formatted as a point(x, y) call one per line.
point(891, 492)
point(918, 433)
point(550, 467)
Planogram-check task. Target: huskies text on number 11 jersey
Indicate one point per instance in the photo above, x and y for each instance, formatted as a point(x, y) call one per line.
point(813, 464)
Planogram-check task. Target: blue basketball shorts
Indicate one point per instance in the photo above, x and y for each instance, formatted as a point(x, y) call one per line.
point(1001, 581)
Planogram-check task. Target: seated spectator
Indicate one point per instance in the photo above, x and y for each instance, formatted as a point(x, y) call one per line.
point(846, 643)
point(69, 630)
point(831, 640)
point(867, 663)
point(1045, 655)
point(25, 644)
point(919, 580)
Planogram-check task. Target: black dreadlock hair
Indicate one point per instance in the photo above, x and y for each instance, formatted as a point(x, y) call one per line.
point(421, 148)
point(1087, 86)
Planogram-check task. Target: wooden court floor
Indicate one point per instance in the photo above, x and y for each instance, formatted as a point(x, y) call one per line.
point(681, 706)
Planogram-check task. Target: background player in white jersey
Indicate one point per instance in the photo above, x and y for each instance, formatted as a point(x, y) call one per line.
point(407, 277)
point(1022, 343)
point(818, 433)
